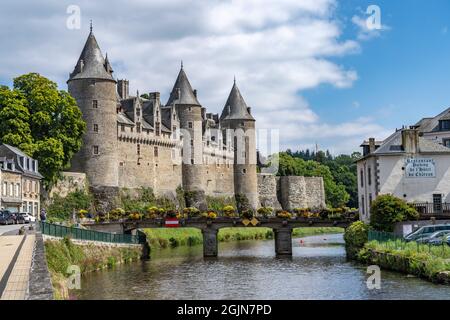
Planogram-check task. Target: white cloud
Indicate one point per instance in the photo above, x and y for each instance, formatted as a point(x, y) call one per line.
point(276, 49)
point(364, 32)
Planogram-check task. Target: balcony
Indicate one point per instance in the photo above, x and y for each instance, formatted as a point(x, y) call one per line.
point(428, 210)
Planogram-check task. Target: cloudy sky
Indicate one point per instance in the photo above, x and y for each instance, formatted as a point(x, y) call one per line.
point(309, 68)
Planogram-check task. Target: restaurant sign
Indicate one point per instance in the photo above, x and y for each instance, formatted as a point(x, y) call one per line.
point(420, 168)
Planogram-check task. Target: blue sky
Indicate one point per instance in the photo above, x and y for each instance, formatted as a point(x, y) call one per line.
point(403, 74)
point(308, 68)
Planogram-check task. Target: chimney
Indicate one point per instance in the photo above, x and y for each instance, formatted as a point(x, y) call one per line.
point(203, 113)
point(371, 145)
point(410, 140)
point(154, 95)
point(122, 88)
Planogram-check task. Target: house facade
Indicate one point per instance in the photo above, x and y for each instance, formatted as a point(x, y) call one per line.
point(20, 181)
point(412, 164)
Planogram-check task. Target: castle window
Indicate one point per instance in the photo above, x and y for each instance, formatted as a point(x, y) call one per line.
point(138, 127)
point(95, 127)
point(174, 116)
point(190, 109)
point(192, 142)
point(138, 112)
point(155, 151)
point(444, 125)
point(157, 131)
point(190, 124)
point(369, 176)
point(244, 170)
point(446, 142)
point(157, 113)
point(139, 149)
point(192, 161)
point(95, 149)
point(122, 128)
point(94, 104)
point(361, 177)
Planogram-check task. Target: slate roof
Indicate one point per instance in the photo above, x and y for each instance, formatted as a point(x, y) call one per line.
point(432, 124)
point(393, 145)
point(91, 64)
point(8, 151)
point(235, 108)
point(187, 95)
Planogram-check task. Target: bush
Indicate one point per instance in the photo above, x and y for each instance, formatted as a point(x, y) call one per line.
point(247, 214)
point(386, 210)
point(242, 202)
point(63, 208)
point(265, 211)
point(229, 211)
point(356, 236)
point(284, 214)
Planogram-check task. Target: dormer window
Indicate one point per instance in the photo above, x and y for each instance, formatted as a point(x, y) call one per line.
point(138, 112)
point(444, 125)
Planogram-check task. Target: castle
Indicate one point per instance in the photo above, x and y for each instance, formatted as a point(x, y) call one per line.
point(133, 142)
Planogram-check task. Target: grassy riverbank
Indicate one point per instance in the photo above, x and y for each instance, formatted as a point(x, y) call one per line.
point(429, 262)
point(64, 253)
point(167, 237)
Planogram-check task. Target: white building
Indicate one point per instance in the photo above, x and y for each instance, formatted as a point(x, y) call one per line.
point(412, 164)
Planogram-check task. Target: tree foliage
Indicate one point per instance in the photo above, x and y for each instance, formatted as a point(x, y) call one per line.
point(386, 210)
point(43, 121)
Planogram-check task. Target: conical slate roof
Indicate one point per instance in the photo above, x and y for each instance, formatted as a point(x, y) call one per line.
point(187, 95)
point(235, 107)
point(91, 64)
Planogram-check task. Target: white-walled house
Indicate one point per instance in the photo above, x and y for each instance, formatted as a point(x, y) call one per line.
point(412, 164)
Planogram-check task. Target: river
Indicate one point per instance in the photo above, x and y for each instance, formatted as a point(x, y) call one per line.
point(250, 270)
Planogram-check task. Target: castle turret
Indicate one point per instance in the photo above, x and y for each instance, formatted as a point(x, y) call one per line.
point(94, 88)
point(239, 124)
point(189, 111)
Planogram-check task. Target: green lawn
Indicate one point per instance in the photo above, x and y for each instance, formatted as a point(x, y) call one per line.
point(173, 237)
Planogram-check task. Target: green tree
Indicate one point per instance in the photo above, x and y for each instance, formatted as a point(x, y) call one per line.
point(43, 121)
point(386, 210)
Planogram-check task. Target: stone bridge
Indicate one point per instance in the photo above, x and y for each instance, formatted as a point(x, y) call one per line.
point(282, 229)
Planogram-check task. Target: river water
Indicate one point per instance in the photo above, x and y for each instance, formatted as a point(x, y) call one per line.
point(250, 270)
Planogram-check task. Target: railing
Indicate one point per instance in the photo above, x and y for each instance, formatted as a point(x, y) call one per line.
point(56, 230)
point(394, 242)
point(427, 210)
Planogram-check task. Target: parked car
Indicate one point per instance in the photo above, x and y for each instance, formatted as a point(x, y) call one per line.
point(440, 240)
point(432, 237)
point(426, 231)
point(6, 217)
point(28, 217)
point(18, 218)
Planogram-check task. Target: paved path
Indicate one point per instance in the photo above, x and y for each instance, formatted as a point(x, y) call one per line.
point(16, 253)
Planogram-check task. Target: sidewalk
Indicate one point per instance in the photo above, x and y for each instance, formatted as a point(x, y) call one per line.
point(14, 276)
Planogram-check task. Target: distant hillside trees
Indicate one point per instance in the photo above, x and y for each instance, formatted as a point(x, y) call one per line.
point(42, 121)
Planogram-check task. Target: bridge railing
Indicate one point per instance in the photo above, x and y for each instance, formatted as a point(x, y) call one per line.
point(56, 230)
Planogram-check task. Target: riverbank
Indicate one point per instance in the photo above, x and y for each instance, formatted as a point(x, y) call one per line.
point(63, 253)
point(174, 237)
point(431, 263)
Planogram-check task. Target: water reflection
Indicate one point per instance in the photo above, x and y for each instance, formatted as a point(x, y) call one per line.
point(250, 270)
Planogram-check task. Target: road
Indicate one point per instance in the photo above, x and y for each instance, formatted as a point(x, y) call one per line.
point(11, 229)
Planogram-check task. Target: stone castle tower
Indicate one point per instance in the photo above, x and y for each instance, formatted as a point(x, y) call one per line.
point(133, 142)
point(92, 85)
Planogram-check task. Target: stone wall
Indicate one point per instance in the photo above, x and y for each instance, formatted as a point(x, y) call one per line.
point(69, 182)
point(291, 192)
point(267, 190)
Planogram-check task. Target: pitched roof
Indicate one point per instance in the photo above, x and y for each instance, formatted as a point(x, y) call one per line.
point(393, 145)
point(432, 124)
point(91, 64)
point(186, 95)
point(235, 108)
